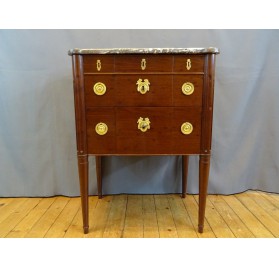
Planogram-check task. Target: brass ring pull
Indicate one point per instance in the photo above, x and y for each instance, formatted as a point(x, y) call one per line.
point(101, 128)
point(99, 88)
point(187, 128)
point(143, 124)
point(143, 86)
point(187, 88)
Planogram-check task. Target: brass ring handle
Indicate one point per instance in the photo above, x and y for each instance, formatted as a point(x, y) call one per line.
point(186, 128)
point(143, 86)
point(99, 88)
point(101, 128)
point(188, 88)
point(143, 124)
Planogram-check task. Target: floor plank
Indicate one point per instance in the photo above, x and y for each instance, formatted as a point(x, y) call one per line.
point(116, 217)
point(99, 217)
point(63, 221)
point(263, 216)
point(9, 206)
point(133, 226)
point(47, 220)
point(27, 223)
point(181, 218)
point(216, 222)
point(248, 218)
point(150, 223)
point(238, 228)
point(249, 214)
point(17, 215)
point(165, 219)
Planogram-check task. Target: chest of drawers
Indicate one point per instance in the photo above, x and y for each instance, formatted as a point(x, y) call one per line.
point(143, 102)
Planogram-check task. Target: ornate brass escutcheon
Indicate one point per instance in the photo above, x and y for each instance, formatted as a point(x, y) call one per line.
point(186, 128)
point(99, 88)
point(188, 64)
point(143, 86)
point(143, 64)
point(99, 66)
point(143, 124)
point(187, 88)
point(101, 128)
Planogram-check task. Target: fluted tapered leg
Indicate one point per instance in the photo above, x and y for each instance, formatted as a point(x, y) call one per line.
point(185, 161)
point(83, 180)
point(204, 165)
point(98, 160)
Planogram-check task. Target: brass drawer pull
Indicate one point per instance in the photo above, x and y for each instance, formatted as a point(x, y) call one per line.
point(143, 86)
point(99, 88)
point(143, 64)
point(99, 66)
point(101, 128)
point(186, 128)
point(188, 64)
point(143, 124)
point(187, 88)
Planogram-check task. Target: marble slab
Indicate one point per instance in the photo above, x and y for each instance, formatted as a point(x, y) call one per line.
point(203, 50)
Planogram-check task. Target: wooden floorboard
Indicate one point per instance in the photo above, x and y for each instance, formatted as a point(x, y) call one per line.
point(246, 215)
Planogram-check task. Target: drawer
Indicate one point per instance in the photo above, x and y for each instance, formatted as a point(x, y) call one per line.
point(99, 90)
point(187, 90)
point(164, 135)
point(143, 90)
point(143, 63)
point(188, 63)
point(101, 142)
point(98, 63)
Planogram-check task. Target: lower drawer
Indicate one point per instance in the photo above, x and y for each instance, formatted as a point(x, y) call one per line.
point(143, 130)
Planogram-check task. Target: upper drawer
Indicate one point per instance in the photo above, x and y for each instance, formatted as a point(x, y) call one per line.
point(188, 63)
point(98, 63)
point(143, 63)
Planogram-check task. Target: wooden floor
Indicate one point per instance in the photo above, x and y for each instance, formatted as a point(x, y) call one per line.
point(249, 214)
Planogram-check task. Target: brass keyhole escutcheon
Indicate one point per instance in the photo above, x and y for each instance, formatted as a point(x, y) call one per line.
point(99, 88)
point(101, 128)
point(186, 128)
point(143, 64)
point(99, 65)
point(143, 86)
point(188, 64)
point(187, 88)
point(143, 124)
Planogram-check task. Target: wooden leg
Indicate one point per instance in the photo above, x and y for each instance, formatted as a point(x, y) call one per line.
point(98, 160)
point(204, 165)
point(83, 180)
point(185, 161)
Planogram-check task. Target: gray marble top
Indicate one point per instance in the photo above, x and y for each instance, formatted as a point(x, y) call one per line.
point(203, 50)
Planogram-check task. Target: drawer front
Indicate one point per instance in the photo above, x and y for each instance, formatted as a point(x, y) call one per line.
point(97, 141)
point(164, 136)
point(98, 63)
point(143, 90)
point(188, 63)
point(186, 143)
point(99, 90)
point(131, 140)
point(143, 63)
point(187, 90)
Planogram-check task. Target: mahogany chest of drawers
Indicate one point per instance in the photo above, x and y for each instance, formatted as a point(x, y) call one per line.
point(143, 102)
